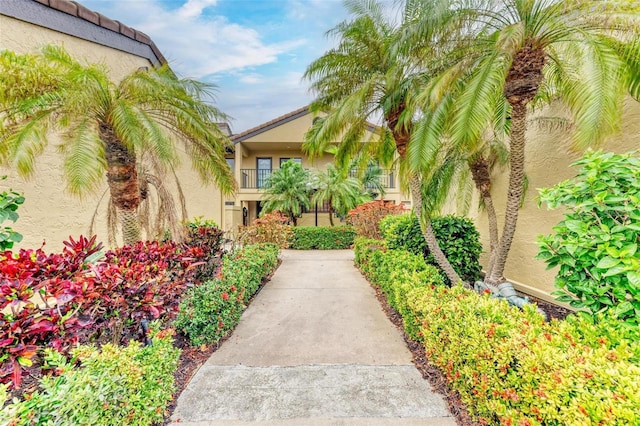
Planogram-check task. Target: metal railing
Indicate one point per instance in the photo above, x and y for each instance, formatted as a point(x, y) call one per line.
point(254, 178)
point(259, 178)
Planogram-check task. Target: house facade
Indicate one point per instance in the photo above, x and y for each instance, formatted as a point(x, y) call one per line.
point(261, 150)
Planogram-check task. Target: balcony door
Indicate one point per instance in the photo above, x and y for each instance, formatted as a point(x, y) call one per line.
point(263, 169)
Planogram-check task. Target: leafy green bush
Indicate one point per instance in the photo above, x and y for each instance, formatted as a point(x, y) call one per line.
point(596, 245)
point(115, 385)
point(247, 267)
point(509, 365)
point(401, 275)
point(211, 310)
point(322, 237)
point(458, 238)
point(9, 203)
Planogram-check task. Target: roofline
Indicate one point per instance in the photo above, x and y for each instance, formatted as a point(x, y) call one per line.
point(300, 112)
point(70, 17)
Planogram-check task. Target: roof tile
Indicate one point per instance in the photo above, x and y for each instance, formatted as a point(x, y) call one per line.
point(127, 31)
point(109, 24)
point(64, 6)
point(87, 15)
point(142, 37)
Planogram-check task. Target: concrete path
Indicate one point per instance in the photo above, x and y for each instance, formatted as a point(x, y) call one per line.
point(313, 348)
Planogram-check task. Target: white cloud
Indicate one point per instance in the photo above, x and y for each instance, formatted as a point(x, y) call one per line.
point(195, 45)
point(251, 79)
point(193, 8)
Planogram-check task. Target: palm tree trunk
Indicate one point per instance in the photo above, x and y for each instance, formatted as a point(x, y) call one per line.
point(516, 179)
point(122, 178)
point(330, 214)
point(402, 137)
point(415, 187)
point(482, 179)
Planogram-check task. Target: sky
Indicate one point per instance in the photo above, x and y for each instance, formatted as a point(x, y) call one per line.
point(254, 51)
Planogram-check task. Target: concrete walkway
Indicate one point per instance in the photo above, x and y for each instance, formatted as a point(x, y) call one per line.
point(313, 348)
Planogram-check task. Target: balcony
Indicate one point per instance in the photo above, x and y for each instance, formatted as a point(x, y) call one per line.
point(258, 178)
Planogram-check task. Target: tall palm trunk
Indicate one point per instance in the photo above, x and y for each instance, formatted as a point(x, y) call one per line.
point(401, 137)
point(122, 178)
point(521, 85)
point(514, 195)
point(415, 186)
point(330, 213)
point(481, 175)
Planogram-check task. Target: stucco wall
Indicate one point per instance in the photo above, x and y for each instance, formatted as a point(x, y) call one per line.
point(548, 159)
point(49, 213)
point(23, 37)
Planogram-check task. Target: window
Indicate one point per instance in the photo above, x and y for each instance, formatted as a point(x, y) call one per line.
point(294, 159)
point(232, 164)
point(264, 170)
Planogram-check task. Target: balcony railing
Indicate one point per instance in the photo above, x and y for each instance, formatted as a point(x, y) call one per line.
point(259, 178)
point(254, 178)
point(386, 178)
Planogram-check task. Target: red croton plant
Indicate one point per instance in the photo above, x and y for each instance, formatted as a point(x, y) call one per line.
point(77, 296)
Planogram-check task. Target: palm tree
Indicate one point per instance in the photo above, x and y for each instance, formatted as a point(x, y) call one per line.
point(365, 77)
point(574, 51)
point(338, 189)
point(287, 191)
point(107, 127)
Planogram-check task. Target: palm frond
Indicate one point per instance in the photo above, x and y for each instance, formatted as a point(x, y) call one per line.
point(84, 162)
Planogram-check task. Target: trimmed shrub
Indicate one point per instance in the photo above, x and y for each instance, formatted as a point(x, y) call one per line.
point(270, 228)
point(402, 276)
point(247, 267)
point(509, 366)
point(596, 245)
point(210, 311)
point(458, 238)
point(366, 217)
point(322, 237)
point(115, 385)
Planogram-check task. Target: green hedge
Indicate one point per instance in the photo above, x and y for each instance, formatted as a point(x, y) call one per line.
point(322, 238)
point(509, 365)
point(210, 311)
point(458, 238)
point(115, 385)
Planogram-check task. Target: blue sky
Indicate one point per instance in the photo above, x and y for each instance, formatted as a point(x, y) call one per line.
point(255, 51)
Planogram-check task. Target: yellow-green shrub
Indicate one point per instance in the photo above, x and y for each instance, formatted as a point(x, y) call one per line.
point(322, 237)
point(509, 366)
point(116, 385)
point(401, 275)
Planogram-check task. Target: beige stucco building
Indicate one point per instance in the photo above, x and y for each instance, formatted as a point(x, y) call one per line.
point(49, 214)
point(264, 148)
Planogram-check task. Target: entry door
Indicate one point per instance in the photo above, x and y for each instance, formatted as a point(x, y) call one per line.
point(264, 170)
